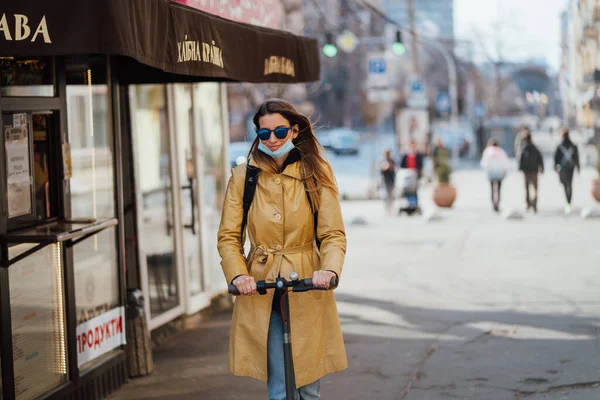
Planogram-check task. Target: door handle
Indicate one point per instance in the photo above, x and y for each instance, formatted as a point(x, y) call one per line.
point(190, 187)
point(167, 202)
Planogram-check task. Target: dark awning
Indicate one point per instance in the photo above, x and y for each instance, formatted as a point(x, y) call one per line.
point(177, 42)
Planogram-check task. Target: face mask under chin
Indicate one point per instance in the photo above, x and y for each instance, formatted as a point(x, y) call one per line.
point(280, 152)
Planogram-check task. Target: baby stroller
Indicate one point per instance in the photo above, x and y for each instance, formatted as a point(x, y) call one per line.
point(408, 185)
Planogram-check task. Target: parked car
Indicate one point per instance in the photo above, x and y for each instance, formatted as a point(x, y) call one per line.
point(344, 141)
point(325, 139)
point(238, 153)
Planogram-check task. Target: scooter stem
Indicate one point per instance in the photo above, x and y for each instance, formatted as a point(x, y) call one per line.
point(288, 361)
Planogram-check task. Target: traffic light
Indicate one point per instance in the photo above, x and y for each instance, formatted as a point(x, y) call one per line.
point(398, 47)
point(330, 49)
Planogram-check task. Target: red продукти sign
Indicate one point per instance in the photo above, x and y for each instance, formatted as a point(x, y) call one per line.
point(100, 335)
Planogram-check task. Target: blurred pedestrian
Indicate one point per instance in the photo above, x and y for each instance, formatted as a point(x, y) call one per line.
point(413, 162)
point(566, 160)
point(532, 164)
point(429, 157)
point(480, 134)
point(413, 159)
point(495, 161)
point(463, 150)
point(438, 153)
point(388, 173)
point(520, 142)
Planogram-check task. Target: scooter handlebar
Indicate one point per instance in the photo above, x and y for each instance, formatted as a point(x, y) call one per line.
point(234, 290)
point(301, 285)
point(308, 282)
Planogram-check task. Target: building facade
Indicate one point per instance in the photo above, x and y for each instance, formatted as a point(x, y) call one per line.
point(580, 63)
point(113, 171)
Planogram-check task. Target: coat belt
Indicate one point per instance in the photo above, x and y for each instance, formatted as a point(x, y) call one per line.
point(266, 255)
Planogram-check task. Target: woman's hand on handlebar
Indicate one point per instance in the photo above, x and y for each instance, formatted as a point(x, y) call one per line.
point(245, 284)
point(322, 278)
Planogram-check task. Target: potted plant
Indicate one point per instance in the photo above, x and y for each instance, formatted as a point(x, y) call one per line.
point(444, 194)
point(596, 182)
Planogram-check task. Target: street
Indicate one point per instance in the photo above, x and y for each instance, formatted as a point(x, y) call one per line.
point(472, 306)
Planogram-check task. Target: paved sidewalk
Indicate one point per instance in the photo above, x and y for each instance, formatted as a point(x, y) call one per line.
point(193, 365)
point(470, 307)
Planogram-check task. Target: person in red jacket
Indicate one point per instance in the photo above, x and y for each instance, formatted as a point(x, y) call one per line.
point(413, 159)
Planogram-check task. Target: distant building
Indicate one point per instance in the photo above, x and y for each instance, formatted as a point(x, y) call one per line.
point(440, 12)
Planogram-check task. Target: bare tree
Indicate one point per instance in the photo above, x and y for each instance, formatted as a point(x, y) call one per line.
point(493, 48)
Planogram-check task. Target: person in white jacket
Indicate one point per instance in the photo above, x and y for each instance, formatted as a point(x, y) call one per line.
point(495, 161)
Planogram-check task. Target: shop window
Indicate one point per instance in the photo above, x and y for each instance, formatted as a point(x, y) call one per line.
point(96, 289)
point(28, 159)
point(37, 311)
point(91, 152)
point(92, 196)
point(26, 77)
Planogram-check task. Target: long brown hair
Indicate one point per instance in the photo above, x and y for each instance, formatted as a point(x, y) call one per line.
point(316, 171)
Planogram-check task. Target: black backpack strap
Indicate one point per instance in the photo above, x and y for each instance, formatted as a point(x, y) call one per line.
point(315, 218)
point(249, 189)
point(312, 208)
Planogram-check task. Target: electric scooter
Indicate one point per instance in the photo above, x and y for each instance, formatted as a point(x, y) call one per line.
point(281, 285)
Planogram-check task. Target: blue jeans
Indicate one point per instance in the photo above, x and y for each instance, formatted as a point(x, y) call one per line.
point(276, 382)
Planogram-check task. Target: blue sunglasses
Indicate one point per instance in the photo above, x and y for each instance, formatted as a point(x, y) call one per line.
point(280, 132)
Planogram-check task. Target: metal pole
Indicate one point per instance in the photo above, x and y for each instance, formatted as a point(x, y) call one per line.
point(453, 89)
point(373, 158)
point(413, 33)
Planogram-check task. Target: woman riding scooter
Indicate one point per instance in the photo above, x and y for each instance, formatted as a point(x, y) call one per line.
point(296, 207)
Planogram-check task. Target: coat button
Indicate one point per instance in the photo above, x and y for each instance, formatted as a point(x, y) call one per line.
point(278, 217)
point(277, 181)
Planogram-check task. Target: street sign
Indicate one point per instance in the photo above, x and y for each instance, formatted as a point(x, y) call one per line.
point(377, 66)
point(347, 41)
point(416, 86)
point(377, 70)
point(442, 103)
point(416, 93)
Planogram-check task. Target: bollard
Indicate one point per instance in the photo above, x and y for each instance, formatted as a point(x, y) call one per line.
point(139, 346)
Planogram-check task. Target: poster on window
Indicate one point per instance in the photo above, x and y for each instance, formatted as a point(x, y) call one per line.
point(18, 171)
point(412, 125)
point(100, 335)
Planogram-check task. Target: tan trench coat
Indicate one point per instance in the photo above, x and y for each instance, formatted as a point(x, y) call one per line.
point(281, 231)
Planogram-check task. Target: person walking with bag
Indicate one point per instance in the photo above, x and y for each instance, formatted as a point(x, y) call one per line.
point(294, 224)
point(495, 161)
point(532, 164)
point(566, 160)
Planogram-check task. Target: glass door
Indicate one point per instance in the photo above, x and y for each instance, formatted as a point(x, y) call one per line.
point(158, 227)
point(189, 170)
point(208, 101)
point(180, 182)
